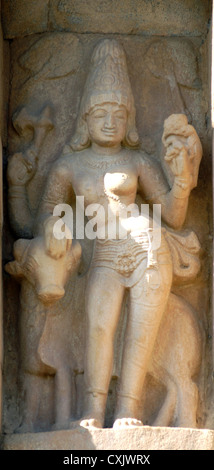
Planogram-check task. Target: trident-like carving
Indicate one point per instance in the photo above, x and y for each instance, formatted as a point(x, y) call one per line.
point(22, 165)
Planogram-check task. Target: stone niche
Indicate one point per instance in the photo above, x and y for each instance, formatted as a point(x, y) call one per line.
point(47, 48)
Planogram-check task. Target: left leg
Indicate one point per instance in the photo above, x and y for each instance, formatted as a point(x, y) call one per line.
point(147, 304)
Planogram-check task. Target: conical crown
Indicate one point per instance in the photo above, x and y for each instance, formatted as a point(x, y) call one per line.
point(108, 79)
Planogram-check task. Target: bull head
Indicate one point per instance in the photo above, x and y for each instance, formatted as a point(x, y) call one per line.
point(47, 275)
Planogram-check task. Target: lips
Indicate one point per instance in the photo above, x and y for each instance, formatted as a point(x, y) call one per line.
point(109, 132)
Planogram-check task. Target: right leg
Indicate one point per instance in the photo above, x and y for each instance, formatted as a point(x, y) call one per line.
point(103, 305)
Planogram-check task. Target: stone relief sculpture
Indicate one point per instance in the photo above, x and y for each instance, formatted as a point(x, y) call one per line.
point(103, 164)
point(160, 61)
point(24, 166)
point(31, 263)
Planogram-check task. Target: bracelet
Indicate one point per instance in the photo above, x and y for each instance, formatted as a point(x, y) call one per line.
point(17, 191)
point(181, 188)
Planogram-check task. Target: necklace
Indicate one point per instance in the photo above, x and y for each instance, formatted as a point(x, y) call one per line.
point(109, 161)
point(115, 198)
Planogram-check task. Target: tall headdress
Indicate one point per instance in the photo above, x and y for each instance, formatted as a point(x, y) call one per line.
point(107, 81)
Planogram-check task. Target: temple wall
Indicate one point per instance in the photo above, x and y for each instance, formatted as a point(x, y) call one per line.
point(45, 49)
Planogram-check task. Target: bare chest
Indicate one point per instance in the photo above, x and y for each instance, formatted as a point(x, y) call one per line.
point(96, 181)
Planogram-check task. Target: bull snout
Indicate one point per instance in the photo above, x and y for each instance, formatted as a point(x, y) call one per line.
point(51, 294)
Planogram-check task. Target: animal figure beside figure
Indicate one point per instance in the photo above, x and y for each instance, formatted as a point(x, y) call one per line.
point(174, 363)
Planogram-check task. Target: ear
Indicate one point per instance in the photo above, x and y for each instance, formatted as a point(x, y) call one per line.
point(15, 269)
point(81, 139)
point(20, 248)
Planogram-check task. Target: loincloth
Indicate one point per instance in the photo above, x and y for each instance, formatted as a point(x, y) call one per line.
point(127, 259)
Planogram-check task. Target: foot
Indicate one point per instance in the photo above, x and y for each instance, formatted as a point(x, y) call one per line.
point(126, 423)
point(87, 422)
point(91, 423)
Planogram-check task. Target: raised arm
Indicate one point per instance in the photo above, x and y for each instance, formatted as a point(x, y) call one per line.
point(155, 189)
point(183, 156)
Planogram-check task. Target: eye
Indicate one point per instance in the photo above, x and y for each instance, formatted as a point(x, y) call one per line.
point(120, 115)
point(169, 144)
point(31, 265)
point(99, 113)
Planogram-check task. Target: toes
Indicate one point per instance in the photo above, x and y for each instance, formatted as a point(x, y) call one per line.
point(127, 422)
point(90, 423)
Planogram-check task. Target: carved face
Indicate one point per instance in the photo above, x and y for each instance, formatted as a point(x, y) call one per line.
point(174, 141)
point(174, 145)
point(107, 124)
point(47, 275)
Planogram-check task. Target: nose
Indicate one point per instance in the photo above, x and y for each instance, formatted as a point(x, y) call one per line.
point(109, 121)
point(50, 293)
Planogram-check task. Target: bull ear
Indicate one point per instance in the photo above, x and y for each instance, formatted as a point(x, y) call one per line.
point(19, 249)
point(15, 269)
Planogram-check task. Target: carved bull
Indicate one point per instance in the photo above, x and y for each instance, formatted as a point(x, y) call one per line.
point(43, 277)
point(174, 362)
point(46, 274)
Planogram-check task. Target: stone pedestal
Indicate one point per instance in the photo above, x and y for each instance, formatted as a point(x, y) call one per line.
point(146, 438)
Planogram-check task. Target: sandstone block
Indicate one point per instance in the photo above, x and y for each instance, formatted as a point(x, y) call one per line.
point(148, 438)
point(24, 17)
point(21, 18)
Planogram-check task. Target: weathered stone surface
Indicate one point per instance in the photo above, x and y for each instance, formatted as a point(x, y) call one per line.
point(21, 18)
point(43, 74)
point(167, 75)
point(2, 129)
point(148, 438)
point(129, 16)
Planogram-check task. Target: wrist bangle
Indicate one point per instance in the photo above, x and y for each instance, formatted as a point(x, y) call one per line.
point(17, 191)
point(181, 188)
point(181, 182)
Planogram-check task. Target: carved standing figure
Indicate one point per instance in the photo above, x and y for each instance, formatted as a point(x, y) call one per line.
point(105, 166)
